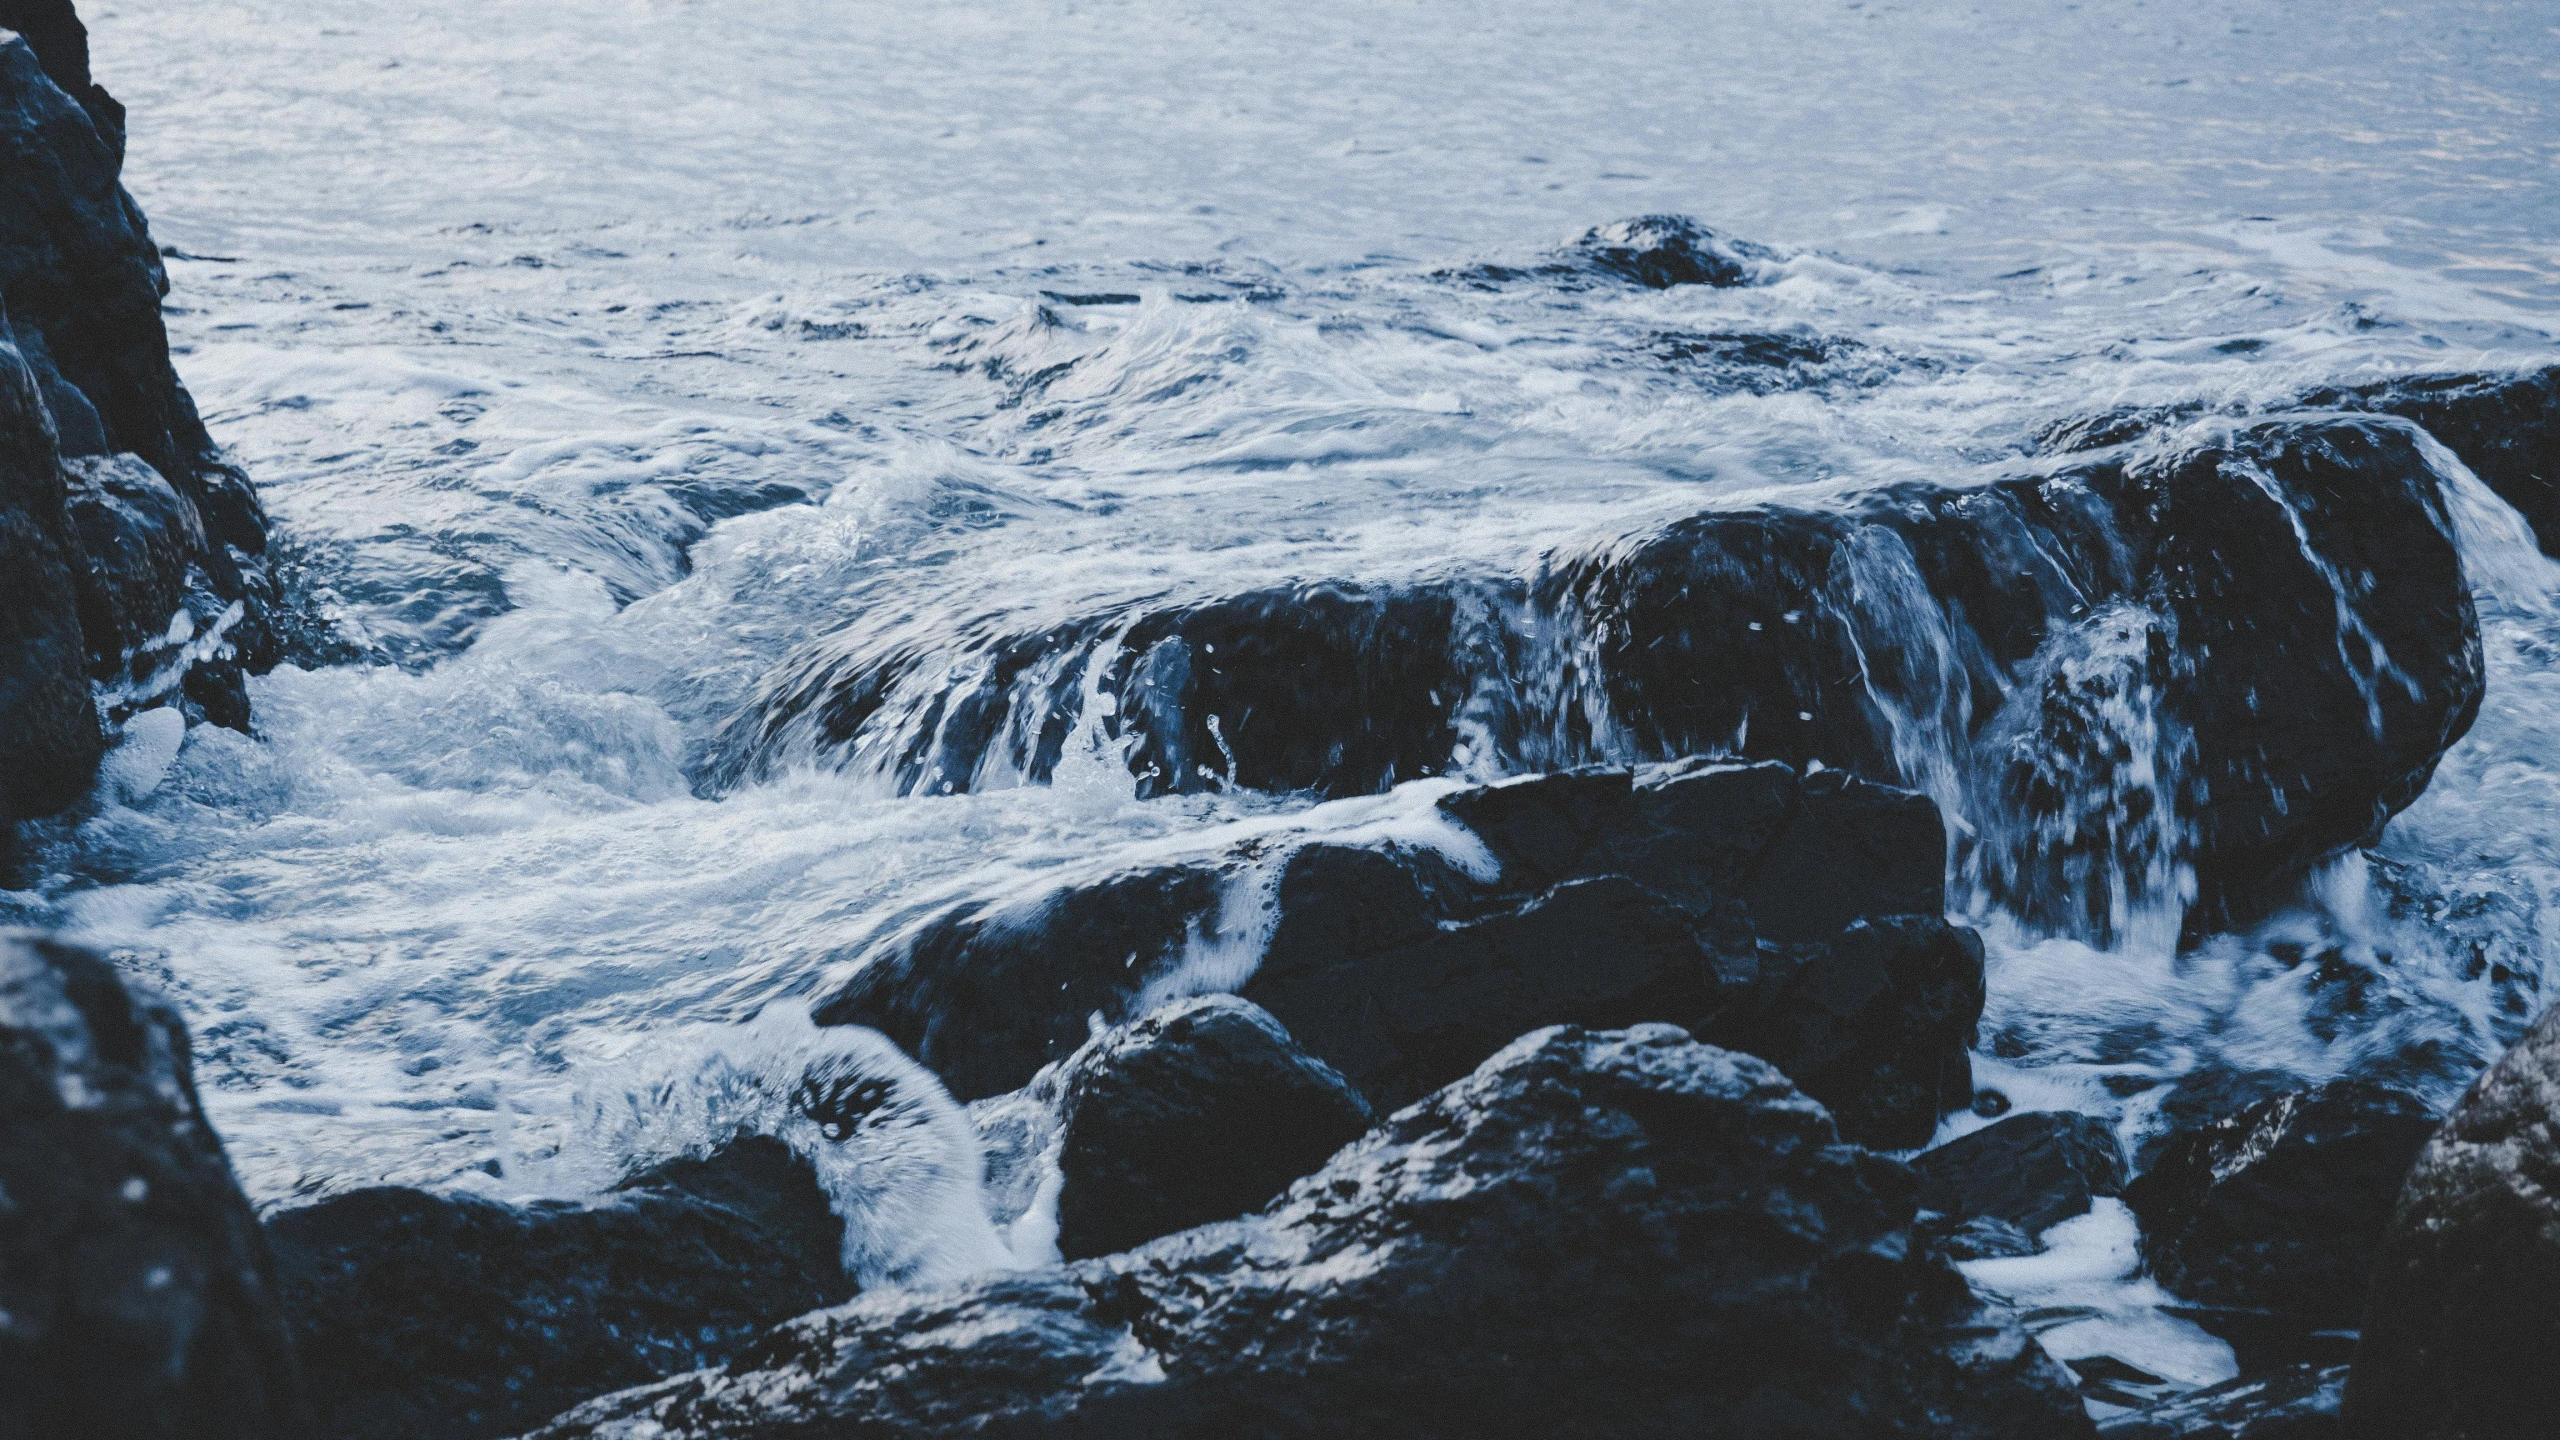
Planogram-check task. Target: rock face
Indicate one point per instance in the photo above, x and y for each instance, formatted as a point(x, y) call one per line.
point(435, 1317)
point(110, 475)
point(1620, 898)
point(2461, 1325)
point(2116, 669)
point(2299, 1402)
point(136, 1298)
point(2279, 1209)
point(2033, 1171)
point(2505, 427)
point(1201, 1111)
point(1597, 1233)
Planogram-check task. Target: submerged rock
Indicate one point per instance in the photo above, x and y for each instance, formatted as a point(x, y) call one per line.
point(137, 1299)
point(2464, 1315)
point(2299, 1402)
point(449, 1317)
point(2033, 1171)
point(1599, 1233)
point(2280, 1208)
point(1201, 1111)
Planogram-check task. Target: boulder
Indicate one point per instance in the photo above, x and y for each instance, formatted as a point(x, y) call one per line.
point(2462, 1321)
point(2216, 665)
point(2279, 1209)
point(1621, 896)
point(137, 1299)
point(2033, 1170)
point(1202, 1111)
point(2506, 428)
point(986, 993)
point(2299, 1402)
point(1596, 1233)
point(423, 1316)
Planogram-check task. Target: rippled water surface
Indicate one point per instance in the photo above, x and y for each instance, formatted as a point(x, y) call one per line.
point(597, 358)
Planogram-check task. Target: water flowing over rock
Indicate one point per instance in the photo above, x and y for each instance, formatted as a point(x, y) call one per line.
point(448, 1317)
point(2461, 1325)
point(1199, 1112)
point(1731, 1265)
point(1619, 897)
point(111, 473)
point(137, 1299)
point(2187, 674)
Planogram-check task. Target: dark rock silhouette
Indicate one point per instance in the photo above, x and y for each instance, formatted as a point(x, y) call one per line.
point(448, 1317)
point(2461, 1324)
point(1202, 1111)
point(2033, 1171)
point(137, 1299)
point(1606, 1233)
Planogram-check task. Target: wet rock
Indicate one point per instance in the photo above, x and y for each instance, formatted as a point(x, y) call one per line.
point(1201, 1111)
point(136, 1293)
point(450, 1317)
point(1661, 251)
point(2297, 1403)
point(1621, 897)
point(1980, 1238)
point(2461, 1325)
point(45, 713)
point(81, 284)
point(987, 994)
point(2506, 428)
point(2280, 1207)
point(1404, 1019)
point(2124, 668)
point(1604, 1233)
point(2034, 1170)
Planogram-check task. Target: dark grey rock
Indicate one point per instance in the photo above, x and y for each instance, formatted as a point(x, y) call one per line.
point(1618, 901)
point(2281, 1207)
point(2034, 1170)
point(449, 1317)
point(136, 1293)
point(45, 713)
point(1627, 1234)
point(1661, 251)
point(2462, 1324)
point(1202, 1111)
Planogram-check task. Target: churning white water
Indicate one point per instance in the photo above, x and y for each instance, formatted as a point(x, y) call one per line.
point(594, 356)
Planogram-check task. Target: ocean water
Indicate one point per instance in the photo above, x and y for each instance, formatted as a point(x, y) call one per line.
point(602, 360)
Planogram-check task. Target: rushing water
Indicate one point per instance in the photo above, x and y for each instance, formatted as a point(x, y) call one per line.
point(598, 357)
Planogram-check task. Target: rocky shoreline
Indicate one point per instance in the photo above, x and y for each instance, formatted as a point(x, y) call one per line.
point(1601, 1100)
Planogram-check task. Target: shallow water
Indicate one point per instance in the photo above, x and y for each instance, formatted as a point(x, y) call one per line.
point(596, 357)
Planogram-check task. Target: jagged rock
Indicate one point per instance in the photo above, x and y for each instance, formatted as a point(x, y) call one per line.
point(2506, 428)
point(1201, 1111)
point(2279, 1208)
point(1621, 898)
point(2296, 1403)
point(2123, 666)
point(1611, 1233)
point(2034, 1170)
point(136, 1296)
point(449, 1317)
point(1980, 1238)
point(80, 290)
point(2461, 1325)
point(45, 710)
